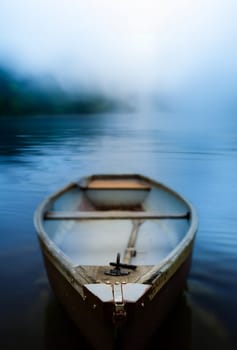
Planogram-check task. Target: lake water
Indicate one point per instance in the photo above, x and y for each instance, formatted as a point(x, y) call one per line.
point(195, 155)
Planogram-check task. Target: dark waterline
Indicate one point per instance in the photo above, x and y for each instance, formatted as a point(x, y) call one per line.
point(195, 157)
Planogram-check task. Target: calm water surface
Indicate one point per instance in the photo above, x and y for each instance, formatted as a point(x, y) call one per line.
point(198, 159)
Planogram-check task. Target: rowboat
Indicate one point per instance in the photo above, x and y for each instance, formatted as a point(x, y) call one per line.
point(117, 250)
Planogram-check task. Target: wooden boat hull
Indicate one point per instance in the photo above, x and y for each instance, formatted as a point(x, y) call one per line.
point(142, 323)
point(117, 311)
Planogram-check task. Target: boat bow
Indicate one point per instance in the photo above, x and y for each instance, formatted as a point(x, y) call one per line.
point(118, 295)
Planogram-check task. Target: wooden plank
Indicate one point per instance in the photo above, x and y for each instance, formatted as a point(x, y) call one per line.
point(130, 250)
point(96, 274)
point(115, 215)
point(117, 184)
point(125, 188)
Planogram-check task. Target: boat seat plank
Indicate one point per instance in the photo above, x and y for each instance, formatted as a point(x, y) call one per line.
point(115, 185)
point(116, 215)
point(122, 188)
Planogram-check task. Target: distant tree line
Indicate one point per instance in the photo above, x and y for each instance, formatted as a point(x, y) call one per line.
point(25, 96)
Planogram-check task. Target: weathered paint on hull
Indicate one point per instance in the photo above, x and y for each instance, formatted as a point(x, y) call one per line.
point(96, 323)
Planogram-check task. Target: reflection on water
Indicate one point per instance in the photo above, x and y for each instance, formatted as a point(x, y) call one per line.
point(174, 333)
point(40, 154)
point(60, 332)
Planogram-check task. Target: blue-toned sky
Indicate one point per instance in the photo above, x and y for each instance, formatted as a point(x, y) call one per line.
point(124, 46)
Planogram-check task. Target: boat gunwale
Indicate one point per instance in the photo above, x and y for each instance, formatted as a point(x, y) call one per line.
point(68, 268)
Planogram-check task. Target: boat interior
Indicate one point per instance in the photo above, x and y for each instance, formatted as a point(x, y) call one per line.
point(93, 220)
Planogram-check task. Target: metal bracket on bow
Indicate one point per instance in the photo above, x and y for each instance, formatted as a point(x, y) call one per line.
point(117, 268)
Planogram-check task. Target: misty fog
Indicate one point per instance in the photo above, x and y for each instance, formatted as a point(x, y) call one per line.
point(181, 51)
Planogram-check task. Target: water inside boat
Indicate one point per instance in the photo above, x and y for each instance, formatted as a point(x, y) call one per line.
point(97, 241)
